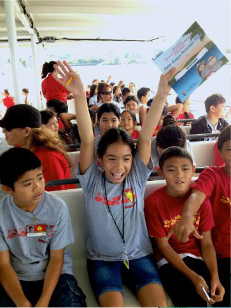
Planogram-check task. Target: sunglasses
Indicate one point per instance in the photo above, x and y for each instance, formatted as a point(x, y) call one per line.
point(107, 93)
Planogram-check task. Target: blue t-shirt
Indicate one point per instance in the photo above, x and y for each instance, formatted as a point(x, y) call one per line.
point(29, 255)
point(103, 240)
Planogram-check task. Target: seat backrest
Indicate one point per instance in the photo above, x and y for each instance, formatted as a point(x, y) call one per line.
point(203, 152)
point(74, 158)
point(186, 129)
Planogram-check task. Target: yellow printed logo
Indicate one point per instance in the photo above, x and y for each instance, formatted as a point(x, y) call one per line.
point(225, 200)
point(39, 228)
point(129, 195)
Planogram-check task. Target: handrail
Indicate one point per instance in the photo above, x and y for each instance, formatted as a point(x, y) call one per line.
point(199, 136)
point(186, 120)
point(76, 180)
point(189, 136)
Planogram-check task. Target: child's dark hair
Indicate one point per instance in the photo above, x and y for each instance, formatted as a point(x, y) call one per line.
point(170, 134)
point(48, 68)
point(58, 106)
point(108, 108)
point(174, 151)
point(224, 136)
point(213, 100)
point(125, 91)
point(142, 92)
point(25, 90)
point(131, 98)
point(46, 115)
point(92, 90)
point(14, 163)
point(6, 91)
point(131, 114)
point(114, 135)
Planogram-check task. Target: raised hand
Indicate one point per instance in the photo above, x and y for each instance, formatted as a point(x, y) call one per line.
point(70, 79)
point(164, 87)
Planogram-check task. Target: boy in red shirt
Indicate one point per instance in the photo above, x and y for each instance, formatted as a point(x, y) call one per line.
point(184, 268)
point(214, 182)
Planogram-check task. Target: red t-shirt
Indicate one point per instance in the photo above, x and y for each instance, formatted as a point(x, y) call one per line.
point(52, 89)
point(182, 116)
point(218, 160)
point(214, 182)
point(135, 134)
point(55, 167)
point(8, 101)
point(156, 130)
point(162, 212)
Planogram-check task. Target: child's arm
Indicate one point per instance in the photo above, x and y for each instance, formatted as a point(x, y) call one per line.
point(10, 282)
point(209, 256)
point(52, 275)
point(153, 117)
point(73, 83)
point(172, 257)
point(175, 109)
point(66, 119)
point(185, 225)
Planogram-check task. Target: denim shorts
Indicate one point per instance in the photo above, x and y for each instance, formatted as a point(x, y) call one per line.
point(107, 276)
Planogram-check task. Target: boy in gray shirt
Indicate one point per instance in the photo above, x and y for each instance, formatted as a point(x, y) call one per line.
point(35, 227)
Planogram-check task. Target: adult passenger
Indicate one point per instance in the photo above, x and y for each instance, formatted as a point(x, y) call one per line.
point(8, 100)
point(51, 88)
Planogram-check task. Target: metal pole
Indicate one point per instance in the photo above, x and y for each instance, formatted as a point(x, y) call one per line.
point(37, 79)
point(12, 38)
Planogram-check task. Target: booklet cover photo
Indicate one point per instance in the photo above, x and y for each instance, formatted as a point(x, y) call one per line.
point(195, 58)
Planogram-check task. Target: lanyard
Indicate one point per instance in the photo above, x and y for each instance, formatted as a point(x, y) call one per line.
point(108, 207)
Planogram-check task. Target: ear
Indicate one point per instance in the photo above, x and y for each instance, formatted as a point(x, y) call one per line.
point(194, 169)
point(212, 108)
point(27, 131)
point(6, 189)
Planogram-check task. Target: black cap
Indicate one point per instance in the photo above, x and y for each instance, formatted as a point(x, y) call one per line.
point(20, 116)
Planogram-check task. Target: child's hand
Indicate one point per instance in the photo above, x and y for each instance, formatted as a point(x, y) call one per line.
point(183, 229)
point(70, 80)
point(163, 87)
point(217, 290)
point(199, 282)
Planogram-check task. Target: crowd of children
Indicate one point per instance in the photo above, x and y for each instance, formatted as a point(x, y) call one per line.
point(181, 239)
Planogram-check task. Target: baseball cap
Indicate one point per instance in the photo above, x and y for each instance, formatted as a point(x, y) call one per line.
point(20, 116)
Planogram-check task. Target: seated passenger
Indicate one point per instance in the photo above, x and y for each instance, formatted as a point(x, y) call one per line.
point(131, 103)
point(169, 135)
point(184, 268)
point(128, 123)
point(213, 182)
point(108, 116)
point(143, 97)
point(49, 119)
point(22, 127)
point(35, 267)
point(185, 113)
point(117, 242)
point(213, 122)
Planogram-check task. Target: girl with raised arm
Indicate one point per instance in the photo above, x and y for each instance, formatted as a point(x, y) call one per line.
point(118, 247)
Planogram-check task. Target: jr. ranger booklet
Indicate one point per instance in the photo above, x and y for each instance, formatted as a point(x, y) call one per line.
point(195, 58)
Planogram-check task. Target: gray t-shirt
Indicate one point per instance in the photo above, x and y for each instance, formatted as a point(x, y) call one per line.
point(29, 255)
point(103, 240)
point(155, 156)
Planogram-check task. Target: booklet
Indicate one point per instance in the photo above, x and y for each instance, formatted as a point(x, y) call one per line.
point(195, 58)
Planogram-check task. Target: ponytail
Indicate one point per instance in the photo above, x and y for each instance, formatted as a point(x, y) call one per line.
point(48, 68)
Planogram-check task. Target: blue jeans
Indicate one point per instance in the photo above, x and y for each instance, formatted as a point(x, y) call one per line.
point(107, 276)
point(66, 294)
